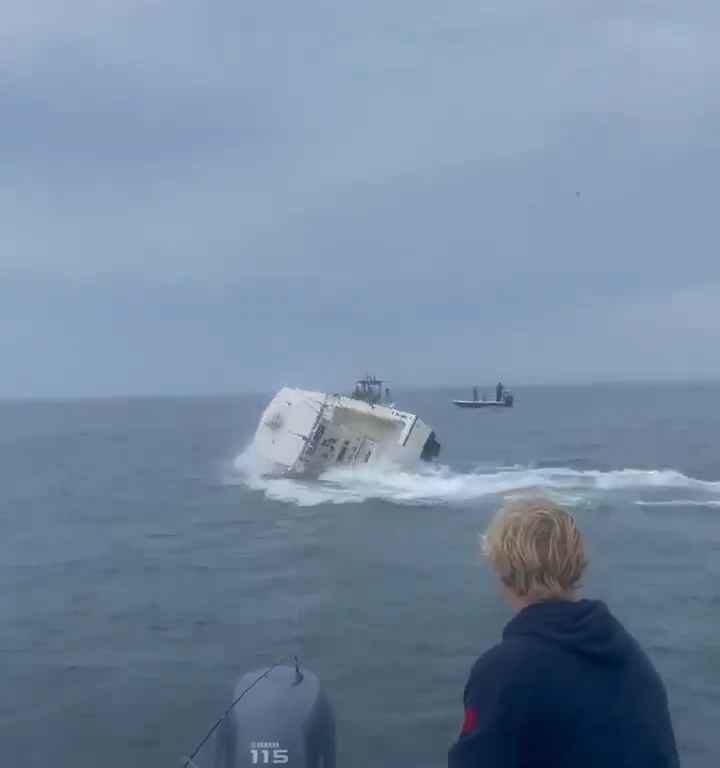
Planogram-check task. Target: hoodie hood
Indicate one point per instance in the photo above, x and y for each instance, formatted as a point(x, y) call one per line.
point(584, 627)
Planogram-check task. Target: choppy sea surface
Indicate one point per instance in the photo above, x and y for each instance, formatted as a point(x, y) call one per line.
point(144, 566)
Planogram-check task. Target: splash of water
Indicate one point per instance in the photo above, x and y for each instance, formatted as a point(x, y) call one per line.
point(442, 485)
point(678, 503)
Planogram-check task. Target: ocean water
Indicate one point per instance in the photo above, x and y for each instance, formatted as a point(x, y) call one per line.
point(143, 567)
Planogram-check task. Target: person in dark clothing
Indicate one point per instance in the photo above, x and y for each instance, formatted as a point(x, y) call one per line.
point(499, 392)
point(568, 686)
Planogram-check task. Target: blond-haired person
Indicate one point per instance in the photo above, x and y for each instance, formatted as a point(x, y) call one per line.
point(568, 686)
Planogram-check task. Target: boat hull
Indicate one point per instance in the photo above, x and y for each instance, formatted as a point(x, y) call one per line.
point(483, 403)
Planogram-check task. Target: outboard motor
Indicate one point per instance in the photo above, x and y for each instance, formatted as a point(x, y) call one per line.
point(284, 718)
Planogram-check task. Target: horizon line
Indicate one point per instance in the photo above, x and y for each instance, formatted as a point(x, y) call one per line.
point(218, 395)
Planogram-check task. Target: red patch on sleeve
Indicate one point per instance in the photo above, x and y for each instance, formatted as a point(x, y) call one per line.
point(470, 721)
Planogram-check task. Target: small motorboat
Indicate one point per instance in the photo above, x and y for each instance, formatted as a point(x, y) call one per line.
point(504, 398)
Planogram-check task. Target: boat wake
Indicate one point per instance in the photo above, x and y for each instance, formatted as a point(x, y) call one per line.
point(442, 485)
point(679, 503)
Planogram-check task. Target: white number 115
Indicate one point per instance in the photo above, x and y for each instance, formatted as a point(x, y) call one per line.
point(269, 756)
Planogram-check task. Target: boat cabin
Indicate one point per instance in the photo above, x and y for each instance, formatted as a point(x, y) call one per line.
point(370, 390)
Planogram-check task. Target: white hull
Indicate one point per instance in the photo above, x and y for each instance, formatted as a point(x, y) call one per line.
point(483, 403)
point(305, 433)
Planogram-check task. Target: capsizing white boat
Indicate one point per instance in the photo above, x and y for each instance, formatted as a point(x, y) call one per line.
point(306, 433)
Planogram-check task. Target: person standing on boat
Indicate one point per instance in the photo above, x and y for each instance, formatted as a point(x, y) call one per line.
point(499, 392)
point(568, 686)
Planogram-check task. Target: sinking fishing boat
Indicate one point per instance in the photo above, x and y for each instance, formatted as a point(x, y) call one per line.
point(305, 433)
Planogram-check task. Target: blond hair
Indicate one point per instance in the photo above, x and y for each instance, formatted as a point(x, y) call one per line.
point(536, 549)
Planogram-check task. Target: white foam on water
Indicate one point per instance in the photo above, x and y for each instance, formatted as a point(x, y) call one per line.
point(433, 484)
point(679, 503)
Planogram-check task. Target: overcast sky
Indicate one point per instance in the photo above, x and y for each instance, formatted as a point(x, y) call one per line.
point(227, 196)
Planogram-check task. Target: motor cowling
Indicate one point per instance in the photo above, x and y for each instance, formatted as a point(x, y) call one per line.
point(284, 719)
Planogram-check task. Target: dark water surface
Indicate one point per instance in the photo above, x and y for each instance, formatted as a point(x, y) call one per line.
point(141, 572)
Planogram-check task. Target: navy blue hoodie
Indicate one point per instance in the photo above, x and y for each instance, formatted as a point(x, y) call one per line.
point(568, 687)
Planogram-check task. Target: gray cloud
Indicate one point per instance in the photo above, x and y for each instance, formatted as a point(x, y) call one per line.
point(250, 185)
